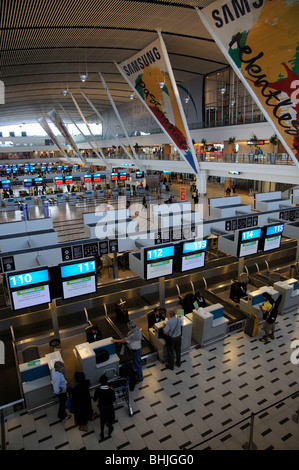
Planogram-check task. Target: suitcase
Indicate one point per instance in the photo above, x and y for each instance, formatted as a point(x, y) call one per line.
point(251, 324)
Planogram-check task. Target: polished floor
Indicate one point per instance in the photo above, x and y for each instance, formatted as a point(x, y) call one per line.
point(205, 404)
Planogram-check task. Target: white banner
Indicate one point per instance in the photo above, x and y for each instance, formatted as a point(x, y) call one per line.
point(150, 75)
point(260, 40)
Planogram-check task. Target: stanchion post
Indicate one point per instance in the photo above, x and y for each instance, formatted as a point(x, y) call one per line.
point(296, 416)
point(250, 445)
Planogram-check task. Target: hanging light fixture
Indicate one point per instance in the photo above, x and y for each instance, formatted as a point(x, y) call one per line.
point(222, 90)
point(84, 76)
point(187, 99)
point(132, 96)
point(64, 92)
point(161, 84)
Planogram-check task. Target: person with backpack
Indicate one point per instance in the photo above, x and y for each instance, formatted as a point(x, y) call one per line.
point(269, 312)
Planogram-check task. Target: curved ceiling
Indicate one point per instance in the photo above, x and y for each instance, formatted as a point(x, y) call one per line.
point(46, 44)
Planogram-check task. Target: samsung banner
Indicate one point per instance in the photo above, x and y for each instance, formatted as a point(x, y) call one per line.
point(260, 40)
point(150, 75)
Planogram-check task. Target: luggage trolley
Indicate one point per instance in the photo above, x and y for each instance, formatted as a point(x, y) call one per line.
point(121, 388)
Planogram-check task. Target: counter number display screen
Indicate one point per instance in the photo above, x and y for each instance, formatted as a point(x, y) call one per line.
point(251, 234)
point(58, 180)
point(272, 237)
point(114, 176)
point(160, 253)
point(190, 247)
point(78, 269)
point(274, 229)
point(29, 288)
point(28, 278)
point(87, 178)
point(97, 178)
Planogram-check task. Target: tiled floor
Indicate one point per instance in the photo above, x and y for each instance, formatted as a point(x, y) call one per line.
point(206, 404)
point(195, 406)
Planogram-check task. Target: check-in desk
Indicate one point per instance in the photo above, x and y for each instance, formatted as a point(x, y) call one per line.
point(251, 303)
point(37, 381)
point(290, 295)
point(208, 324)
point(85, 355)
point(157, 340)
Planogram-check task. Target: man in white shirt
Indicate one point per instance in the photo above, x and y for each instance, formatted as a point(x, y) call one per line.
point(60, 386)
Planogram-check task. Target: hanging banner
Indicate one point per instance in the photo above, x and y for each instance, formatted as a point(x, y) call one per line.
point(260, 40)
point(56, 119)
point(149, 73)
point(44, 124)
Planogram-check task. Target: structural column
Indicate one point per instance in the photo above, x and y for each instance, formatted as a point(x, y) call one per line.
point(201, 182)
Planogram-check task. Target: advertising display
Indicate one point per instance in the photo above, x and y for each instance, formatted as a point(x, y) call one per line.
point(260, 41)
point(29, 288)
point(78, 278)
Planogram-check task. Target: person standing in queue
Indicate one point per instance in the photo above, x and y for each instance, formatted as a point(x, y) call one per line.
point(172, 329)
point(105, 396)
point(60, 388)
point(133, 340)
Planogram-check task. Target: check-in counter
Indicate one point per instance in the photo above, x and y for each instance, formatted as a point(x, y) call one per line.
point(157, 340)
point(72, 197)
point(290, 295)
point(208, 324)
point(251, 303)
point(36, 380)
point(86, 359)
point(60, 197)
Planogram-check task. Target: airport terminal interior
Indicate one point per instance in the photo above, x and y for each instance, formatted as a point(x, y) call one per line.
point(101, 226)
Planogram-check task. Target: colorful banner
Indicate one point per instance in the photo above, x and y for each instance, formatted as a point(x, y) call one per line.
point(56, 119)
point(144, 72)
point(44, 124)
point(260, 40)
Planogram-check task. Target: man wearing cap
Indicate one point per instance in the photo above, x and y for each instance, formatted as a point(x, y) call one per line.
point(173, 330)
point(133, 340)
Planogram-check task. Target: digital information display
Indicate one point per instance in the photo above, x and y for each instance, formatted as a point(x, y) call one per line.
point(194, 246)
point(114, 176)
point(159, 268)
point(29, 288)
point(160, 253)
point(25, 298)
point(5, 184)
point(251, 234)
point(77, 269)
point(271, 243)
point(272, 237)
point(139, 174)
point(58, 180)
point(87, 178)
point(97, 178)
point(193, 261)
point(248, 248)
point(28, 278)
point(79, 286)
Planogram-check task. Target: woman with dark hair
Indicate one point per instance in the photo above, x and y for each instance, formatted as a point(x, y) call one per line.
point(267, 307)
point(81, 401)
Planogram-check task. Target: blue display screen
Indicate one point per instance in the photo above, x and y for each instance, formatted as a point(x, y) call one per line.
point(28, 279)
point(76, 269)
point(275, 229)
point(194, 246)
point(160, 253)
point(251, 234)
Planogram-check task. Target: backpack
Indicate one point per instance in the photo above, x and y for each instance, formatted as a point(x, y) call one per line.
point(273, 312)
